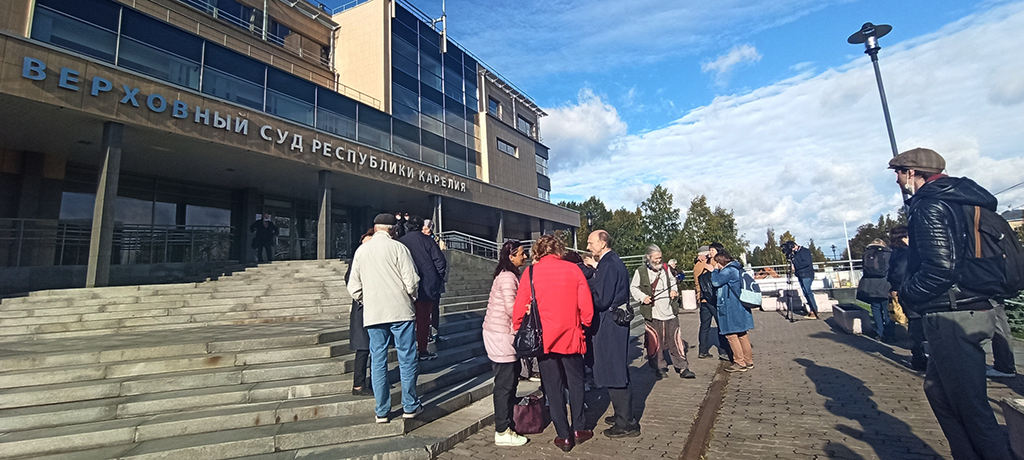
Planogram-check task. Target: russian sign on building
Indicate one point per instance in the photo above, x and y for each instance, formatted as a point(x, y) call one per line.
point(71, 80)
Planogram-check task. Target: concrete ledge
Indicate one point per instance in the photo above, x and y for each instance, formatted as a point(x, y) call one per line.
point(852, 319)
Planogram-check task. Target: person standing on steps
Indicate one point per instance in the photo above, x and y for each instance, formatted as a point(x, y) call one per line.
point(610, 288)
point(358, 338)
point(263, 239)
point(498, 335)
point(384, 279)
point(432, 268)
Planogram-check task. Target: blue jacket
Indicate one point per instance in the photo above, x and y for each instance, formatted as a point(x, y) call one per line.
point(430, 264)
point(733, 317)
point(803, 263)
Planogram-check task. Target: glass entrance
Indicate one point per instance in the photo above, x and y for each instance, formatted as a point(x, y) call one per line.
point(297, 230)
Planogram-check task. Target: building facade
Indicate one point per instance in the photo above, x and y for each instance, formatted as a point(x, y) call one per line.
point(140, 138)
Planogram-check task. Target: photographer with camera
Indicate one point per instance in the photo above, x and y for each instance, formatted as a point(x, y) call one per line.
point(801, 263)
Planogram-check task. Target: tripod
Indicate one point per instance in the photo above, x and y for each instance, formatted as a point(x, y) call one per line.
point(789, 285)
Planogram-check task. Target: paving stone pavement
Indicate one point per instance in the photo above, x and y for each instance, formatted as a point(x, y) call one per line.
point(667, 407)
point(819, 393)
point(815, 393)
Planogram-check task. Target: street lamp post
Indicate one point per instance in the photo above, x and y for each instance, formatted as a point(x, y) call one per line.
point(869, 35)
point(834, 252)
point(590, 221)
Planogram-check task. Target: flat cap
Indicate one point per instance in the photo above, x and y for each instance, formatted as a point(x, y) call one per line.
point(919, 159)
point(385, 219)
point(703, 249)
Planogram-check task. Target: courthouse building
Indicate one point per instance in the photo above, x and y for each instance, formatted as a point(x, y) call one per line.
point(140, 138)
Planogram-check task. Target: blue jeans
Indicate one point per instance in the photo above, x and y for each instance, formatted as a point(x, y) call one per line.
point(805, 285)
point(404, 333)
point(884, 327)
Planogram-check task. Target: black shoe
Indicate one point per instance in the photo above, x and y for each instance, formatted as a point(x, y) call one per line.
point(703, 355)
point(610, 420)
point(617, 432)
point(658, 375)
point(687, 374)
point(362, 392)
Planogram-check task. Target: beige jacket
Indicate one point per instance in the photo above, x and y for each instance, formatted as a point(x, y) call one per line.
point(384, 278)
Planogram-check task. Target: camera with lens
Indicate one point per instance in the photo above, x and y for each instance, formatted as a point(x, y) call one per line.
point(788, 248)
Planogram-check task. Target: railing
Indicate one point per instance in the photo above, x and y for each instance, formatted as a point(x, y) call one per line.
point(472, 244)
point(38, 242)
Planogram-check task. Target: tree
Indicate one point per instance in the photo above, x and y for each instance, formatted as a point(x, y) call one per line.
point(703, 227)
point(627, 231)
point(868, 232)
point(770, 254)
point(786, 237)
point(660, 219)
point(595, 207)
point(817, 255)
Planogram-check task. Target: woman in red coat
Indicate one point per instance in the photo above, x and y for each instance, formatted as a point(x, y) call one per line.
point(565, 307)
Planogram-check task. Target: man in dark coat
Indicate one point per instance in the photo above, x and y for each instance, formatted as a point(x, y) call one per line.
point(956, 318)
point(610, 287)
point(265, 231)
point(874, 288)
point(432, 268)
point(803, 267)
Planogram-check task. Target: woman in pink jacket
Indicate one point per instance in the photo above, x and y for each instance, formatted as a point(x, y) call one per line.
point(498, 335)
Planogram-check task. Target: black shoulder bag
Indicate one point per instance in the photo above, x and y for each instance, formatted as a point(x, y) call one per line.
point(529, 339)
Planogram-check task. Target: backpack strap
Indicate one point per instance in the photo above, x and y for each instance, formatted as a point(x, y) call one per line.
point(977, 232)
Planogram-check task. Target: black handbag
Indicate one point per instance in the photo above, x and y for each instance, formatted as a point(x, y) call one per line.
point(623, 316)
point(529, 339)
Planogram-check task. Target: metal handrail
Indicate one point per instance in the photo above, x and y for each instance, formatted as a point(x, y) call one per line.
point(471, 244)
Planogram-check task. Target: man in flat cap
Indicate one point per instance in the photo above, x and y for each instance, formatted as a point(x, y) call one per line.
point(384, 279)
point(956, 320)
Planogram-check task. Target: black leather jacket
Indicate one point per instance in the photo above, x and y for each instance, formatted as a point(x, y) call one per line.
point(937, 227)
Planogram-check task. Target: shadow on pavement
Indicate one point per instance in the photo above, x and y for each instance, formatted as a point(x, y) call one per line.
point(848, 397)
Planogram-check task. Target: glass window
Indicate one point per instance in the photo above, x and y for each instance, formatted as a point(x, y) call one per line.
point(102, 13)
point(472, 108)
point(289, 107)
point(494, 107)
point(76, 206)
point(432, 156)
point(433, 125)
point(542, 165)
point(406, 148)
point(276, 32)
point(453, 58)
point(222, 85)
point(430, 37)
point(455, 135)
point(161, 35)
point(430, 64)
point(405, 65)
point(373, 117)
point(406, 114)
point(232, 63)
point(401, 48)
point(159, 64)
point(336, 124)
point(336, 103)
point(405, 33)
point(374, 136)
point(432, 141)
point(543, 194)
point(404, 96)
point(428, 107)
point(507, 148)
point(405, 80)
point(431, 81)
point(133, 211)
point(75, 35)
point(456, 165)
point(291, 85)
point(206, 215)
point(405, 17)
point(406, 130)
point(524, 126)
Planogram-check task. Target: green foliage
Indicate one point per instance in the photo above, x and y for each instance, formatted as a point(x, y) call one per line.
point(702, 227)
point(627, 231)
point(771, 253)
point(817, 255)
point(868, 232)
point(595, 207)
point(660, 219)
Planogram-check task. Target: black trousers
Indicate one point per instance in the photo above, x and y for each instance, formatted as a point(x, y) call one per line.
point(622, 404)
point(266, 249)
point(506, 380)
point(708, 313)
point(557, 373)
point(359, 372)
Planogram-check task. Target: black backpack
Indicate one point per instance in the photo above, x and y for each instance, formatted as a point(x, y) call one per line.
point(876, 262)
point(993, 262)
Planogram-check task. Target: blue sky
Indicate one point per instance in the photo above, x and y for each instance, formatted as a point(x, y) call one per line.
point(761, 106)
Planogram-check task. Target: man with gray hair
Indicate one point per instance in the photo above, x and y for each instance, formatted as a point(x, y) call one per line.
point(384, 279)
point(654, 286)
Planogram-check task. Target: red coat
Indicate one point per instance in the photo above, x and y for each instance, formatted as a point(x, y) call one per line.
point(564, 301)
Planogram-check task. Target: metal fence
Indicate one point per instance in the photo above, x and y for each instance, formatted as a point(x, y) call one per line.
point(39, 242)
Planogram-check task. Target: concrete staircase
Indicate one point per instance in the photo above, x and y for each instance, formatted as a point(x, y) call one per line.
point(253, 364)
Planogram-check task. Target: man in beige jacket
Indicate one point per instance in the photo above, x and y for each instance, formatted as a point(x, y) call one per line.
point(384, 279)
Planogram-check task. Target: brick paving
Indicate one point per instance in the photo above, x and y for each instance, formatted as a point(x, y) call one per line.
point(815, 393)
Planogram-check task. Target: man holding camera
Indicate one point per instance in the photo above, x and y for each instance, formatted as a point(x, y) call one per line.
point(610, 287)
point(802, 264)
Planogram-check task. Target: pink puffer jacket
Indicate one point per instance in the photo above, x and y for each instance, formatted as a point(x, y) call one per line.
point(498, 331)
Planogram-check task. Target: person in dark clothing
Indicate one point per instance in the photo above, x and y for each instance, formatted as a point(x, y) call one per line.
point(358, 338)
point(263, 240)
point(803, 267)
point(898, 241)
point(874, 288)
point(707, 302)
point(956, 319)
point(610, 288)
point(432, 267)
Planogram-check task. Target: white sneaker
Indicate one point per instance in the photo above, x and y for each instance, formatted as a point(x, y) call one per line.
point(509, 438)
point(991, 372)
point(419, 411)
point(383, 419)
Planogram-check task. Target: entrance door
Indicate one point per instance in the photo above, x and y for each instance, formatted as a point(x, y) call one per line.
point(341, 234)
point(282, 213)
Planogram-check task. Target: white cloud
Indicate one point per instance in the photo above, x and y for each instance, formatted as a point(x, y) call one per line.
point(810, 152)
point(723, 65)
point(582, 132)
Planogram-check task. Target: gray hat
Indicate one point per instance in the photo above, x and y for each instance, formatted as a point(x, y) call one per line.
point(703, 249)
point(919, 159)
point(385, 219)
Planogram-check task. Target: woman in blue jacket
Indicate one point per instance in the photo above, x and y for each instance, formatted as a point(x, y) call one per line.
point(734, 320)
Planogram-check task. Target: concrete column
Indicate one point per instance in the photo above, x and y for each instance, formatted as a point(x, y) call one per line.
point(102, 237)
point(323, 221)
point(500, 239)
point(575, 242)
point(438, 228)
